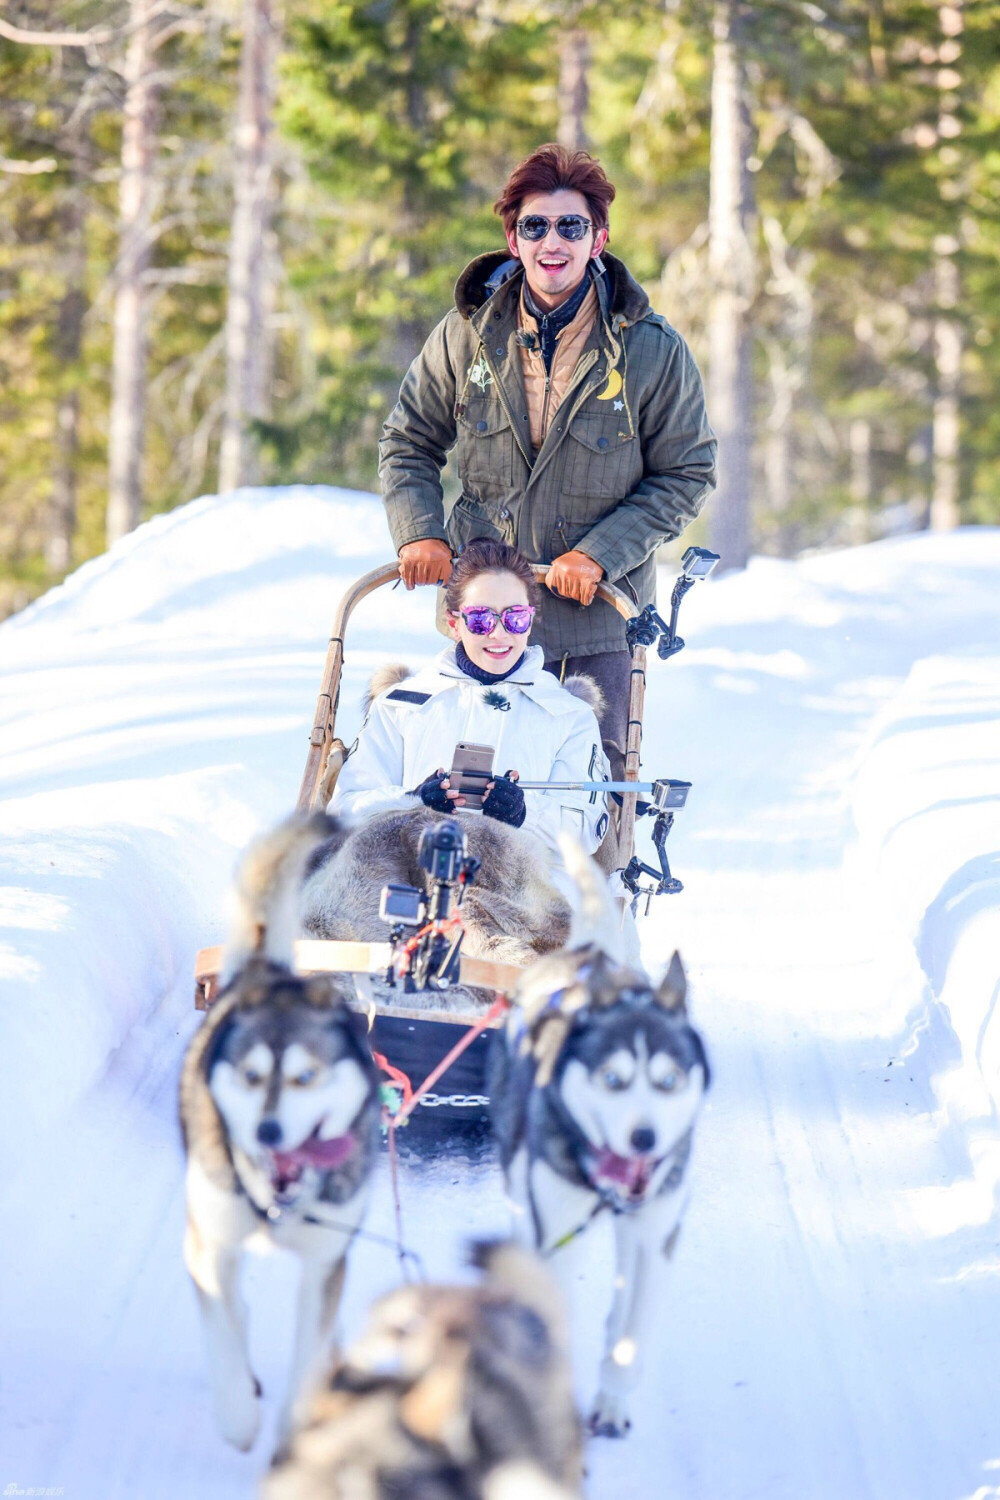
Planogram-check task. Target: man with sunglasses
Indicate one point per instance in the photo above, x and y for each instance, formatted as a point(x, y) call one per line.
point(577, 416)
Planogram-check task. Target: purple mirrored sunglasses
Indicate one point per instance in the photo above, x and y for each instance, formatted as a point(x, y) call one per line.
point(482, 620)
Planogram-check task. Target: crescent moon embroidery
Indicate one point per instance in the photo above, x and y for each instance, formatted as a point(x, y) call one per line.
point(612, 388)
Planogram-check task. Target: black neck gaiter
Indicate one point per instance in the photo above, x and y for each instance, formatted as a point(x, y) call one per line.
point(480, 674)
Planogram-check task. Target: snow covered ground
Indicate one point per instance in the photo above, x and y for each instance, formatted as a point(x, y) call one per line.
point(833, 1319)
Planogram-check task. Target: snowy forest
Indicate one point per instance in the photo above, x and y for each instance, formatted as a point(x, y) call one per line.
point(228, 225)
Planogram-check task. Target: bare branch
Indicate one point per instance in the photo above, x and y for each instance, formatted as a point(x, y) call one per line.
point(55, 38)
point(186, 275)
point(176, 28)
point(28, 168)
point(186, 20)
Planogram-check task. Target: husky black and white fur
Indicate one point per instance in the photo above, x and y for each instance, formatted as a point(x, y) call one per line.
point(279, 1111)
point(450, 1393)
point(596, 1084)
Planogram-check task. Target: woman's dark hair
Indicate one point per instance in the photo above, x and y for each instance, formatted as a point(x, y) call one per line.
point(548, 169)
point(487, 556)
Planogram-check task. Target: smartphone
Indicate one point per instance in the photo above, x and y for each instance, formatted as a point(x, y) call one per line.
point(471, 769)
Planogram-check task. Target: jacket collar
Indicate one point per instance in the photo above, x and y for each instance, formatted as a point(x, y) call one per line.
point(622, 298)
point(444, 675)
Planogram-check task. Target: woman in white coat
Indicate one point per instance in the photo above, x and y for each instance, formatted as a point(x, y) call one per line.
point(488, 688)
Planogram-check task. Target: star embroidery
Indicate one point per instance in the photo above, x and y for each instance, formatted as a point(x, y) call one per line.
point(619, 406)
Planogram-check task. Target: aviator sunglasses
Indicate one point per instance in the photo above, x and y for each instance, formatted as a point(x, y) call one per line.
point(568, 226)
point(482, 620)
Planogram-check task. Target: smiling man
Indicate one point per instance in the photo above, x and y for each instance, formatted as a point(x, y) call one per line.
point(578, 415)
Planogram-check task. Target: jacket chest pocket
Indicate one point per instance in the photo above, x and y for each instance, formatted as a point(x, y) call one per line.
point(485, 452)
point(603, 462)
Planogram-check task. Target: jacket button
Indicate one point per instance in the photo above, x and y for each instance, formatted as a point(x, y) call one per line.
point(602, 442)
point(505, 515)
point(497, 317)
point(480, 426)
point(498, 351)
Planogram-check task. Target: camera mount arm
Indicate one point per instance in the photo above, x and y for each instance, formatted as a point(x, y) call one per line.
point(649, 629)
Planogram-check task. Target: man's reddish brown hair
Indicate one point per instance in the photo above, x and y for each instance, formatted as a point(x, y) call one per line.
point(547, 170)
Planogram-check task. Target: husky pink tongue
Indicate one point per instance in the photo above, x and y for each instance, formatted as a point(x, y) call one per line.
point(632, 1172)
point(314, 1152)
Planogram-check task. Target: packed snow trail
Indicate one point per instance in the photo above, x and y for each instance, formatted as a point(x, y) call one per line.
point(831, 1324)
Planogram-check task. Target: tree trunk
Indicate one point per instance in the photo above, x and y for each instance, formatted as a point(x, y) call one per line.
point(248, 343)
point(573, 93)
point(68, 345)
point(945, 480)
point(407, 333)
point(731, 273)
point(859, 438)
point(135, 234)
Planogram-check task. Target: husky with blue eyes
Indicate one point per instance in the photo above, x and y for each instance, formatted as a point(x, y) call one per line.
point(596, 1085)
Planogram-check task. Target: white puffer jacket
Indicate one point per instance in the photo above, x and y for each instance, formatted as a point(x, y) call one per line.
point(537, 727)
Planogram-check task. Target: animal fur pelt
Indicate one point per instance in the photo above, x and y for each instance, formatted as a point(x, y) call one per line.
point(385, 678)
point(451, 1393)
point(511, 914)
point(588, 689)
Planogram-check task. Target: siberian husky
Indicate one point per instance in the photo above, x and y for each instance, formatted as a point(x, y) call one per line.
point(451, 1393)
point(596, 1083)
point(279, 1106)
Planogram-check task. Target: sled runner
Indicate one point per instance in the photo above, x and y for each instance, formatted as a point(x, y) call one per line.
point(419, 1036)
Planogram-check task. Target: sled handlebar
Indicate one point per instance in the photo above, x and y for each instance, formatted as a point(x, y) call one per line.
point(316, 785)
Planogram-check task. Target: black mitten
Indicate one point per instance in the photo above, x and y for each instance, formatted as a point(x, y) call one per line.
point(432, 793)
point(505, 802)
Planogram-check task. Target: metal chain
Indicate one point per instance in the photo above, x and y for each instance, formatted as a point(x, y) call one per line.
point(457, 1101)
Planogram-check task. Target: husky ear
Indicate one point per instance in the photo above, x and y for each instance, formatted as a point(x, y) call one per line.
point(672, 990)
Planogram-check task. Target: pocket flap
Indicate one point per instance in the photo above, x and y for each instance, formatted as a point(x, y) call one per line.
point(482, 417)
point(599, 431)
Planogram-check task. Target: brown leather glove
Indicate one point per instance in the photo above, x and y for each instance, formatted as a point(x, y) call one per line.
point(574, 576)
point(428, 561)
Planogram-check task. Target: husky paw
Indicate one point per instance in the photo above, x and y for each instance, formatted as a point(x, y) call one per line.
point(609, 1417)
point(237, 1412)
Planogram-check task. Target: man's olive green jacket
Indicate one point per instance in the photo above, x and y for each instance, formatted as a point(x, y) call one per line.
point(628, 460)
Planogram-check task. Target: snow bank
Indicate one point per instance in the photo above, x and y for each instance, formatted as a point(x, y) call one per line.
point(926, 803)
point(153, 714)
point(836, 1274)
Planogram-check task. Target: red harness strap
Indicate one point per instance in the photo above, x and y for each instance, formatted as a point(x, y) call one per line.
point(412, 1097)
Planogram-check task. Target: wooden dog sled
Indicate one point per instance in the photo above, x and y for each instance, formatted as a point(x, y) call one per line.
point(415, 1038)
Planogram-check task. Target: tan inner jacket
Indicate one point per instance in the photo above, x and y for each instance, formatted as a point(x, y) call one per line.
point(544, 397)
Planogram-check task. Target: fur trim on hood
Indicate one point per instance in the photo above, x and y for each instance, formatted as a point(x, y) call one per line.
point(384, 678)
point(588, 689)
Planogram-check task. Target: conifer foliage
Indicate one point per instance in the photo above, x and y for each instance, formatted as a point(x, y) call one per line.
point(226, 226)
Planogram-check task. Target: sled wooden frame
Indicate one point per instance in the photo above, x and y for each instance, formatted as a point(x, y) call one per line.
point(334, 956)
point(326, 756)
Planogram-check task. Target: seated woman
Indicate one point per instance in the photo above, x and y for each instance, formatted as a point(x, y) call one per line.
point(489, 688)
